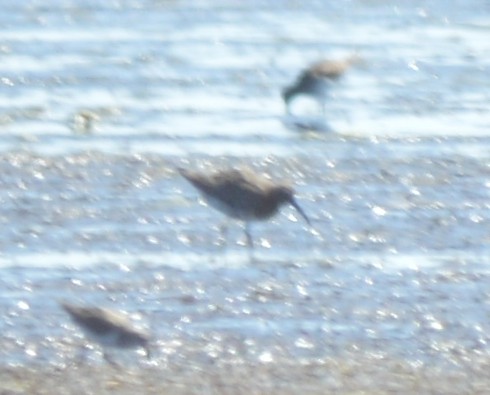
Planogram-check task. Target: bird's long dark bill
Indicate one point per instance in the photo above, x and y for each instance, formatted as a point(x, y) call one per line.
point(300, 210)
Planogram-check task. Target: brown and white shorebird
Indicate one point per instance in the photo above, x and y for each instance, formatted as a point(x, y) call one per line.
point(315, 80)
point(243, 195)
point(108, 328)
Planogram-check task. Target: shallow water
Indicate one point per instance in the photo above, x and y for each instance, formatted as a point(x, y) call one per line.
point(398, 187)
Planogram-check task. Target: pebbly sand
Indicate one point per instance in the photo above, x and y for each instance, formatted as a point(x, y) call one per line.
point(354, 374)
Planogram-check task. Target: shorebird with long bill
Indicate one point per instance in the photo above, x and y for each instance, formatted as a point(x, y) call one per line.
point(243, 195)
point(108, 328)
point(316, 80)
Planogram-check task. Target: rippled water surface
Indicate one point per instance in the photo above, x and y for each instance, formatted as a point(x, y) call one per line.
point(101, 102)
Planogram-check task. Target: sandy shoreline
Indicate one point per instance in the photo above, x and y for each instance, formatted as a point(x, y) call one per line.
point(361, 375)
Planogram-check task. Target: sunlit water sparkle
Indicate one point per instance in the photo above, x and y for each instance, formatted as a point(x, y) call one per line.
point(396, 180)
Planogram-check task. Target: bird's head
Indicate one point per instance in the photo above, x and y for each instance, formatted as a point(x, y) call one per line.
point(288, 93)
point(284, 194)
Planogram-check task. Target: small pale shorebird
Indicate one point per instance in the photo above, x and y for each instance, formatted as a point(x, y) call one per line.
point(315, 80)
point(108, 328)
point(243, 195)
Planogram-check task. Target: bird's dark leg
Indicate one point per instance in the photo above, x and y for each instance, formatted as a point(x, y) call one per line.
point(223, 230)
point(109, 359)
point(250, 242)
point(147, 352)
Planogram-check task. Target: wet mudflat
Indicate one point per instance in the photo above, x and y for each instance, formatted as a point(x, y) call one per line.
point(386, 293)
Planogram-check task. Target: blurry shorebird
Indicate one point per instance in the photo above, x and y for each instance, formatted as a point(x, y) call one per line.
point(83, 122)
point(108, 328)
point(243, 195)
point(315, 80)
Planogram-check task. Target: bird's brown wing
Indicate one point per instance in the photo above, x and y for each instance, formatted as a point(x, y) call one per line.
point(329, 69)
point(230, 186)
point(99, 320)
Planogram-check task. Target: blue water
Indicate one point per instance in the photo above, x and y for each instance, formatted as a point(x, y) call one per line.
point(101, 102)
